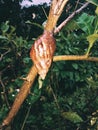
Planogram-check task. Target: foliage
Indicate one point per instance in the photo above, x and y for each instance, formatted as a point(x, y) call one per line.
point(14, 57)
point(68, 99)
point(95, 2)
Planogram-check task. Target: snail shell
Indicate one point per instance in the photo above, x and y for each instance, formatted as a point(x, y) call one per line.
point(42, 52)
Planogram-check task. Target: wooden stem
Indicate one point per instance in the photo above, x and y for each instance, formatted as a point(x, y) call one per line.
point(25, 89)
point(54, 14)
point(58, 29)
point(74, 57)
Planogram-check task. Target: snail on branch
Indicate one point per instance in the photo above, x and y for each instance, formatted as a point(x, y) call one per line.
point(42, 52)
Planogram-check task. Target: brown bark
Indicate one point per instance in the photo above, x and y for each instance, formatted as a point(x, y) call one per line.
point(74, 57)
point(24, 91)
point(54, 14)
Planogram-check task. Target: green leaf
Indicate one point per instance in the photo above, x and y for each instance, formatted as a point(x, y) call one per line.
point(75, 66)
point(85, 22)
point(96, 11)
point(95, 2)
point(40, 81)
point(72, 25)
point(5, 26)
point(12, 30)
point(34, 96)
point(3, 37)
point(72, 116)
point(26, 60)
point(92, 38)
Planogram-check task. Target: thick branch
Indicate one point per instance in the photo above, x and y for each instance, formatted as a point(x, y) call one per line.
point(25, 89)
point(74, 57)
point(54, 14)
point(70, 17)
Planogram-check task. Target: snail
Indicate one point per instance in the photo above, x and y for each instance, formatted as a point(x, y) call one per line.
point(42, 52)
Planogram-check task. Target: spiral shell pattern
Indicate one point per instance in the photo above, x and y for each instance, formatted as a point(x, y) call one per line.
point(42, 52)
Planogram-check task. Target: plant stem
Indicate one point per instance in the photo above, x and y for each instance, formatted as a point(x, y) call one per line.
point(26, 118)
point(74, 57)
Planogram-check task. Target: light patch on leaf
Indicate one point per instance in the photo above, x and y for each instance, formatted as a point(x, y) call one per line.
point(92, 38)
point(72, 116)
point(96, 11)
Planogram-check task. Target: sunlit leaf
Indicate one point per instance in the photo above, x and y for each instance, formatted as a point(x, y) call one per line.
point(93, 121)
point(3, 37)
point(92, 38)
point(72, 116)
point(40, 81)
point(96, 11)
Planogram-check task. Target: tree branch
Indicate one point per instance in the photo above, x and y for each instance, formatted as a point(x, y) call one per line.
point(54, 14)
point(2, 55)
point(69, 18)
point(74, 57)
point(24, 91)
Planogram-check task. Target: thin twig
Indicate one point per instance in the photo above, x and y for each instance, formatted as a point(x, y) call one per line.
point(4, 93)
point(2, 55)
point(26, 118)
point(69, 18)
point(76, 5)
point(55, 98)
